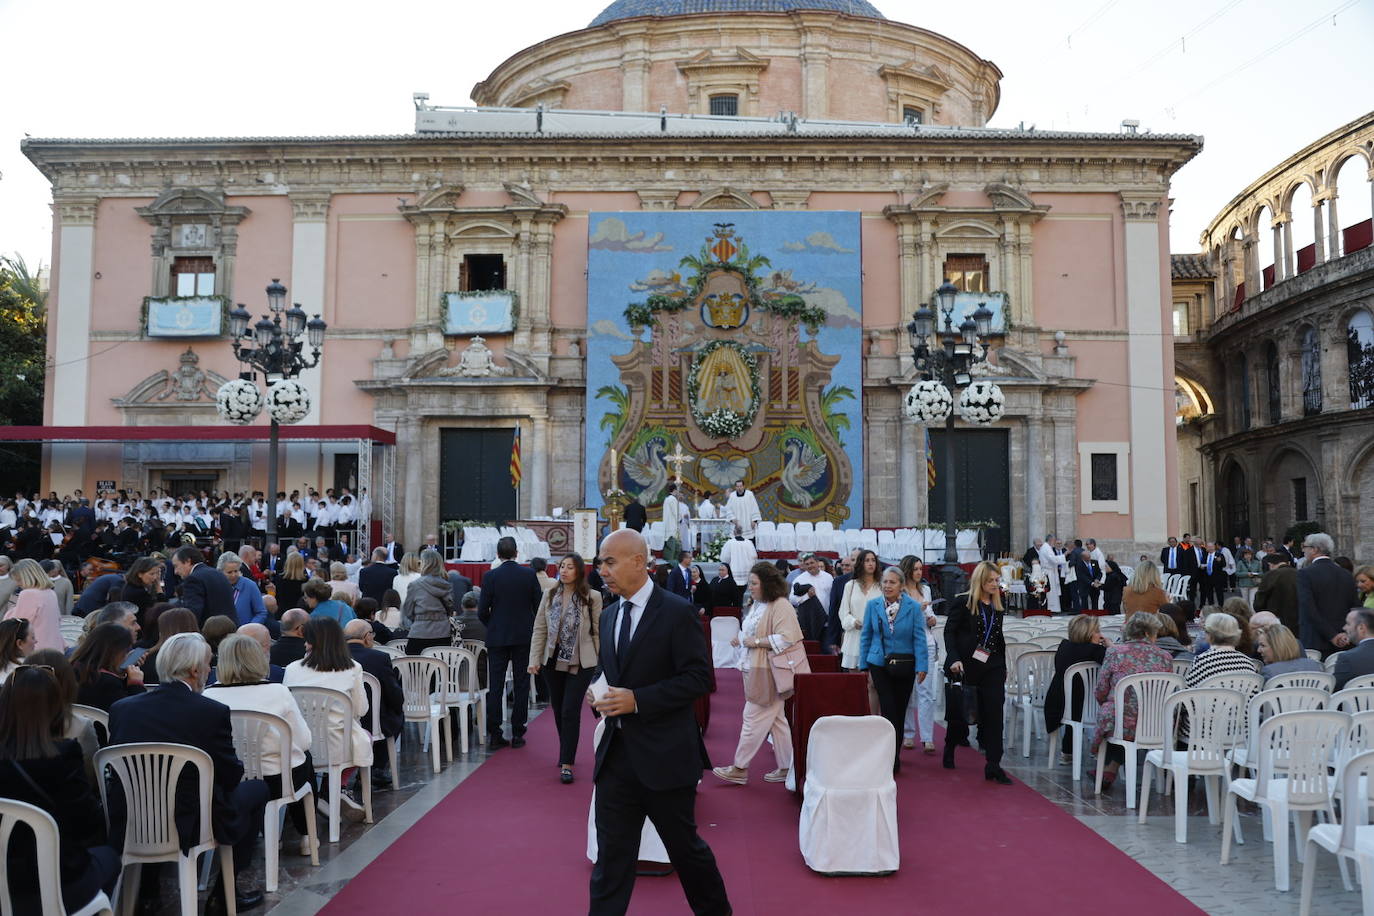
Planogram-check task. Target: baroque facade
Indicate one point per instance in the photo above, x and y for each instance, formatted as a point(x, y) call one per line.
point(380, 234)
point(1275, 364)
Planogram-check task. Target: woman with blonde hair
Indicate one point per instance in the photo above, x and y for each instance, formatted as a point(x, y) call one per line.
point(428, 605)
point(37, 603)
point(1145, 591)
point(858, 592)
point(976, 657)
point(338, 581)
point(1085, 643)
point(409, 571)
point(290, 581)
point(1281, 652)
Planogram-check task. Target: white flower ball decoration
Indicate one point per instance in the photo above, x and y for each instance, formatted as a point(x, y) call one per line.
point(928, 402)
point(288, 401)
point(982, 403)
point(239, 401)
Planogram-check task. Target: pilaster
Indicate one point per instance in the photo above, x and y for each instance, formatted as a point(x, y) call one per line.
point(309, 247)
point(1145, 353)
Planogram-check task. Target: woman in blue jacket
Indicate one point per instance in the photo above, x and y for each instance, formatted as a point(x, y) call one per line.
point(893, 649)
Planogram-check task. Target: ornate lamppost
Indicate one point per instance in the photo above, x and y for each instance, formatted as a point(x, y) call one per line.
point(272, 347)
point(944, 358)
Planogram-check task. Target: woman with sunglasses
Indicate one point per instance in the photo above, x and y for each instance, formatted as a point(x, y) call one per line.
point(50, 773)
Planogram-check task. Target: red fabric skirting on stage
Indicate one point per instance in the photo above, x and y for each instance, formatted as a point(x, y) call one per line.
point(474, 571)
point(823, 695)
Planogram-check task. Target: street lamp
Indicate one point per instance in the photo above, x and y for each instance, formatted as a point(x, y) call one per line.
point(944, 358)
point(274, 348)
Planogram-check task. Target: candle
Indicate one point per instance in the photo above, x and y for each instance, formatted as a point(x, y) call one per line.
point(614, 462)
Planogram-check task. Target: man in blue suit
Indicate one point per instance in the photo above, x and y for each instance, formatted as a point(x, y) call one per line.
point(680, 579)
point(205, 592)
point(510, 597)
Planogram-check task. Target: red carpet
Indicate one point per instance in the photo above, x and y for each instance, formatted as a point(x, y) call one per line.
point(512, 839)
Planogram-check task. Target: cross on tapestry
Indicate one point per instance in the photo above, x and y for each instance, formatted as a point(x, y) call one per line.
point(733, 337)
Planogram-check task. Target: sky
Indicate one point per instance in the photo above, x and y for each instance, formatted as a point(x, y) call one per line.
point(1259, 79)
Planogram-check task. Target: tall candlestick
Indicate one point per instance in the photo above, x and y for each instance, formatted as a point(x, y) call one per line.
point(615, 460)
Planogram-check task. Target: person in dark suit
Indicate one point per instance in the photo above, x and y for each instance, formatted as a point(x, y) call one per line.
point(976, 656)
point(394, 550)
point(834, 631)
point(510, 596)
point(1168, 558)
point(636, 517)
point(376, 577)
point(1211, 576)
point(656, 660)
point(361, 641)
point(1326, 593)
point(205, 591)
point(82, 518)
point(1359, 660)
point(177, 713)
point(1278, 589)
point(680, 576)
point(96, 594)
point(291, 646)
point(1083, 577)
point(460, 585)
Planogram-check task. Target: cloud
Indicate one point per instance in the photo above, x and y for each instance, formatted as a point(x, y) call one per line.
point(842, 315)
point(607, 328)
point(659, 281)
point(611, 235)
point(818, 243)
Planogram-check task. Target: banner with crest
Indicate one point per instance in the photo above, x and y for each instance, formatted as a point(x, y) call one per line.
point(725, 346)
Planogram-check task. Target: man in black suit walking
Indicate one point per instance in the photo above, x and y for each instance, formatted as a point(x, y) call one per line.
point(651, 755)
point(177, 713)
point(510, 597)
point(1326, 593)
point(205, 591)
point(680, 578)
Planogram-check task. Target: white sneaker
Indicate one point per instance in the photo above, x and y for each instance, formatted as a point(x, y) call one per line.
point(733, 774)
point(778, 775)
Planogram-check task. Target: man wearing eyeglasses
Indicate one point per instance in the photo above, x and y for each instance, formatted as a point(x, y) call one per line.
point(1326, 593)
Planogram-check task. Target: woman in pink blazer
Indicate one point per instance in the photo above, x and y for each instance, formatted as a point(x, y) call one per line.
point(37, 603)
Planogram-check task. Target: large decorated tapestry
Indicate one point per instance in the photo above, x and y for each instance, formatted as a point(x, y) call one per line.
point(732, 338)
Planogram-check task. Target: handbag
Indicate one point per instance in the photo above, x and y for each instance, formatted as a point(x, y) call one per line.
point(785, 665)
point(897, 664)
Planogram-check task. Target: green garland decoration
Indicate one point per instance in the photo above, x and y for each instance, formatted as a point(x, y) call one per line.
point(721, 423)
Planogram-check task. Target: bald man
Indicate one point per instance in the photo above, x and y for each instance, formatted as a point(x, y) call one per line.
point(655, 657)
point(291, 646)
point(258, 633)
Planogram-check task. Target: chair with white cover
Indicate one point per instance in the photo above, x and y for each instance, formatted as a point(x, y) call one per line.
point(420, 674)
point(1364, 680)
point(1352, 700)
point(1081, 679)
point(785, 538)
point(1306, 741)
point(374, 726)
point(806, 536)
point(331, 746)
point(460, 690)
point(849, 813)
point(1216, 718)
point(148, 775)
point(1034, 671)
point(255, 732)
point(1350, 839)
point(651, 848)
point(1319, 679)
point(724, 655)
point(766, 536)
point(47, 858)
point(1151, 728)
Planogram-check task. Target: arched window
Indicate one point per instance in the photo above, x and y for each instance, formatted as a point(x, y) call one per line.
point(1271, 375)
point(1311, 373)
point(1243, 391)
point(1359, 348)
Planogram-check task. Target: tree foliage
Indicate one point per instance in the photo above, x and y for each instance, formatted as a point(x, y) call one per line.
point(23, 345)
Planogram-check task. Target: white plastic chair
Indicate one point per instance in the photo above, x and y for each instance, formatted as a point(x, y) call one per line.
point(1319, 679)
point(1329, 665)
point(49, 863)
point(1314, 654)
point(1216, 719)
point(393, 651)
point(331, 747)
point(1151, 729)
point(1181, 665)
point(254, 732)
point(785, 537)
point(374, 723)
point(1034, 671)
point(98, 716)
point(398, 645)
point(1050, 643)
point(1084, 675)
point(1352, 700)
point(1350, 839)
point(1306, 741)
point(1364, 680)
point(460, 689)
point(651, 848)
point(418, 673)
point(1247, 682)
point(1268, 703)
point(724, 655)
point(849, 813)
point(148, 776)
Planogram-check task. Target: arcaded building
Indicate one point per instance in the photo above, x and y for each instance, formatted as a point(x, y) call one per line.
point(694, 228)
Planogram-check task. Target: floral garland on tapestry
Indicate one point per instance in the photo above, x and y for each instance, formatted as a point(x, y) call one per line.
point(723, 423)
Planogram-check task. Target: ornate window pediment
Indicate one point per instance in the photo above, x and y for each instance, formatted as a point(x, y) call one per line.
point(725, 198)
point(915, 85)
point(723, 73)
point(193, 224)
point(542, 91)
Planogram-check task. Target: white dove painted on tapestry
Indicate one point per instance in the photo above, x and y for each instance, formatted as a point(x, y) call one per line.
point(802, 468)
point(646, 467)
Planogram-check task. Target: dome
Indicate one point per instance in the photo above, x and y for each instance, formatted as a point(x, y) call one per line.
point(630, 9)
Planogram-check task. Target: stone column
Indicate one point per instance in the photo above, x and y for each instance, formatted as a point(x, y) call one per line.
point(920, 487)
point(70, 317)
point(1318, 231)
point(1276, 232)
point(408, 448)
point(423, 294)
point(1151, 425)
point(1290, 267)
point(908, 472)
point(1035, 476)
point(538, 464)
point(309, 256)
point(1333, 245)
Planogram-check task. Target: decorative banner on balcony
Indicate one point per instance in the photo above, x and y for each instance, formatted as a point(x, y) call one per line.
point(727, 346)
point(190, 316)
point(965, 304)
point(485, 312)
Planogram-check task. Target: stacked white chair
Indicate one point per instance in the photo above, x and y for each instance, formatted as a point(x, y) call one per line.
point(1151, 729)
point(806, 536)
point(47, 858)
point(1349, 839)
point(255, 732)
point(148, 775)
point(651, 848)
point(1216, 718)
point(374, 726)
point(724, 655)
point(1080, 678)
point(849, 813)
point(825, 537)
point(1306, 740)
point(420, 675)
point(1034, 671)
point(786, 537)
point(331, 748)
point(766, 536)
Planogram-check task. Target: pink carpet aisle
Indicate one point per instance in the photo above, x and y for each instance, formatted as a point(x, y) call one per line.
point(512, 839)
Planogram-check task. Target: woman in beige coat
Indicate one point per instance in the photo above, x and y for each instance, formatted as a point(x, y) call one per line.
point(858, 591)
point(566, 644)
point(769, 627)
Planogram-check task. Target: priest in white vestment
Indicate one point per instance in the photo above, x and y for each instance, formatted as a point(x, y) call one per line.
point(1053, 564)
point(674, 513)
point(744, 509)
point(740, 556)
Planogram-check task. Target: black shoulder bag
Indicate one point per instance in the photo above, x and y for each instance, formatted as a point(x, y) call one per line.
point(896, 664)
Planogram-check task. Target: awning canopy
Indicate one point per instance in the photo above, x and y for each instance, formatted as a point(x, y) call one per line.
point(196, 433)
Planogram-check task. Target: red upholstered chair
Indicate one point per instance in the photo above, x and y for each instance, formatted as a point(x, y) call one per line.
point(813, 646)
point(727, 611)
point(824, 664)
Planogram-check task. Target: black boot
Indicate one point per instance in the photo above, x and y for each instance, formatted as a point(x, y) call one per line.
point(996, 774)
point(949, 756)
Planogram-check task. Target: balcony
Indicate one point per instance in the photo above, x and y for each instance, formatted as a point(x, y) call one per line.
point(184, 316)
point(1304, 285)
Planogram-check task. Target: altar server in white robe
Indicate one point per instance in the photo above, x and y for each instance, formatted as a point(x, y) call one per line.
point(740, 556)
point(1053, 564)
point(744, 509)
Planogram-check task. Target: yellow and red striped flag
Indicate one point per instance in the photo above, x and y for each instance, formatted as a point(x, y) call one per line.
point(515, 467)
point(930, 463)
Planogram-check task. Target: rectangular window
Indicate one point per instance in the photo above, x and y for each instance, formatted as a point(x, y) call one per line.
point(725, 105)
point(1180, 319)
point(913, 115)
point(968, 272)
point(1300, 499)
point(482, 272)
point(1104, 480)
point(193, 277)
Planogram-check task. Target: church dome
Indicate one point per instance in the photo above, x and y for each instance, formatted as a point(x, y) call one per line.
point(631, 9)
